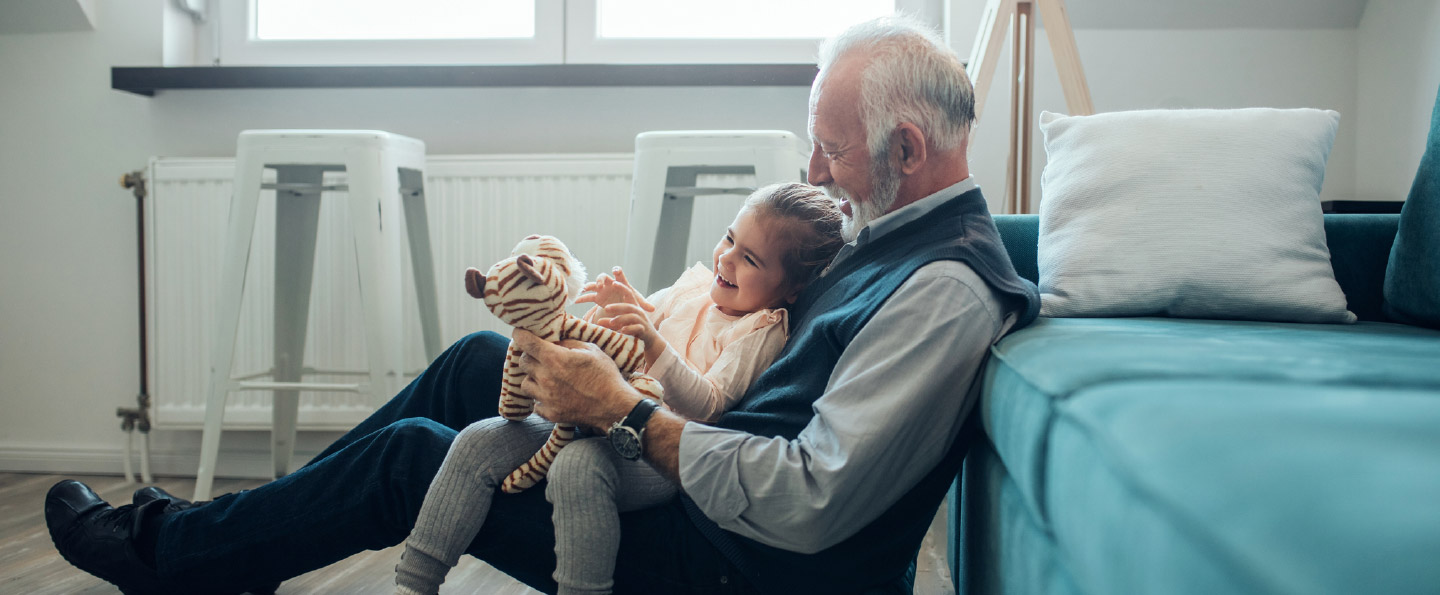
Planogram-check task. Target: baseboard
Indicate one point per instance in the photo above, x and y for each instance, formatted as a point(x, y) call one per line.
point(249, 465)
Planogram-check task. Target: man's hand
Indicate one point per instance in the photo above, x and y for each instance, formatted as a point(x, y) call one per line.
point(573, 382)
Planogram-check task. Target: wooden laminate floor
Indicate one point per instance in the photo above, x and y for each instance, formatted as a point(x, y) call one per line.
point(30, 564)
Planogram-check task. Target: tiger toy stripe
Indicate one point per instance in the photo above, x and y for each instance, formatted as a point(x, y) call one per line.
point(530, 290)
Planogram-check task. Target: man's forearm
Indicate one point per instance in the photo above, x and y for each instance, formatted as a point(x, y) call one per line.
point(662, 443)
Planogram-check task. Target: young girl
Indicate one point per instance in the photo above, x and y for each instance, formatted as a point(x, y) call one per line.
point(706, 339)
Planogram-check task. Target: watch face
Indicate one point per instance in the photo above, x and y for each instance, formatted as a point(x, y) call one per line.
point(625, 442)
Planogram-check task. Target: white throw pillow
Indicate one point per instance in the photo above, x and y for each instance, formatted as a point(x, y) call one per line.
point(1189, 213)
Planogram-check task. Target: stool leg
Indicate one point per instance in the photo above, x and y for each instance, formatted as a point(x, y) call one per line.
point(647, 198)
point(297, 218)
point(374, 202)
point(672, 237)
point(422, 260)
point(244, 199)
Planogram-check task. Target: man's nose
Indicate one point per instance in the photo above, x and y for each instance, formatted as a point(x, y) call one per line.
point(819, 172)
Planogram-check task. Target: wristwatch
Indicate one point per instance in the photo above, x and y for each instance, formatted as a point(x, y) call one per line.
point(627, 435)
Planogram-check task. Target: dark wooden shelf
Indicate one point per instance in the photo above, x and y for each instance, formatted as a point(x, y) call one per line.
point(150, 80)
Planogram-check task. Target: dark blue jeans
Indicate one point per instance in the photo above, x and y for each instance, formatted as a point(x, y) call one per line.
point(365, 490)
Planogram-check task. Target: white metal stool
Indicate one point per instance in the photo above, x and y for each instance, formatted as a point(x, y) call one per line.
point(379, 168)
point(663, 193)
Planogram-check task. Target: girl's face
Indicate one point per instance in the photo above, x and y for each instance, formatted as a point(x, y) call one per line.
point(749, 266)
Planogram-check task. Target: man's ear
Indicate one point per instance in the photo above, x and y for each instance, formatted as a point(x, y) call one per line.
point(909, 147)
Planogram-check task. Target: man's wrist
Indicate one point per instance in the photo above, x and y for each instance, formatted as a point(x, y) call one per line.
point(616, 408)
point(627, 436)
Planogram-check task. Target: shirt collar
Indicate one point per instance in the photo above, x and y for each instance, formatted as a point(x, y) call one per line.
point(915, 210)
point(899, 217)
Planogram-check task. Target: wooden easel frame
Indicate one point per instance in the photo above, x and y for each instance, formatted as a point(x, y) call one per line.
point(1019, 17)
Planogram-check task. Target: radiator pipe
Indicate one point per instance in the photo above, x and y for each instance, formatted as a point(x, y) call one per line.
point(138, 417)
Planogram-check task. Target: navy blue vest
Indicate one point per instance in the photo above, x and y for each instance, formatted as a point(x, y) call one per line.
point(828, 315)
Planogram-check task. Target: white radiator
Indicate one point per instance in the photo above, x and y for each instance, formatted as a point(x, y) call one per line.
point(478, 208)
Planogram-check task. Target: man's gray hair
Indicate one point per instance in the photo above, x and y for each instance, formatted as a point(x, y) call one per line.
point(912, 77)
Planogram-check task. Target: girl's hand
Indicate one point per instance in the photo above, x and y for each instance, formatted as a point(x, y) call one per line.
point(631, 320)
point(607, 290)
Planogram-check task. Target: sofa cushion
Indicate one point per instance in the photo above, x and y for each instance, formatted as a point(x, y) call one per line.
point(1037, 369)
point(1193, 213)
point(1359, 250)
point(1199, 486)
point(1412, 281)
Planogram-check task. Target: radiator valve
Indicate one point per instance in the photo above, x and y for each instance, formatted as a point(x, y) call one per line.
point(135, 182)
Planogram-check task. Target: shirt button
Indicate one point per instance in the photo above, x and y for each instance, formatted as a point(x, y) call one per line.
point(724, 580)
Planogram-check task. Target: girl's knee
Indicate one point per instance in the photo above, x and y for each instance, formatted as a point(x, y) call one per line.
point(486, 435)
point(585, 466)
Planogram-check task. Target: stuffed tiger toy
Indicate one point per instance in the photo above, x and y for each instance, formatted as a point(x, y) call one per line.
point(530, 290)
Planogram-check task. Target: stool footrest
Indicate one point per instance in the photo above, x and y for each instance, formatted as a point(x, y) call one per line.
point(311, 386)
point(694, 191)
point(303, 188)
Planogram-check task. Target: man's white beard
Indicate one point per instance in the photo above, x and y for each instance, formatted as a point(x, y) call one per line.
point(884, 187)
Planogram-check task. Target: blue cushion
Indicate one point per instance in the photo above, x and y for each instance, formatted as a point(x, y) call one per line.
point(1185, 485)
point(1412, 281)
point(1036, 369)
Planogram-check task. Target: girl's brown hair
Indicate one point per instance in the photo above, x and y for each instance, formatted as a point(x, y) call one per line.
point(812, 221)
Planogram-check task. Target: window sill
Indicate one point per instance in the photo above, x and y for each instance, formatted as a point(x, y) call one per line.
point(148, 81)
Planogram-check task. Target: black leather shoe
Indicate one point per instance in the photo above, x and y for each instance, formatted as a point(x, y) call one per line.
point(99, 539)
point(148, 494)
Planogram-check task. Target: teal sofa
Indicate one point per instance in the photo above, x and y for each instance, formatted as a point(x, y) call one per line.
point(1174, 456)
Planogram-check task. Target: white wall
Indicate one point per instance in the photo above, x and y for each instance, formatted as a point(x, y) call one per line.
point(1130, 69)
point(68, 327)
point(1399, 72)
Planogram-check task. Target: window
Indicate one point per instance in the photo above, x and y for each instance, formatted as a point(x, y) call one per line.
point(701, 31)
point(413, 19)
point(290, 32)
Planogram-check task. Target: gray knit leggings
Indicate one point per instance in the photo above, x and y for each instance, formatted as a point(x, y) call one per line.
point(588, 485)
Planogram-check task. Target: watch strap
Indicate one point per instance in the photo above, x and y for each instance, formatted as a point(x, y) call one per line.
point(640, 414)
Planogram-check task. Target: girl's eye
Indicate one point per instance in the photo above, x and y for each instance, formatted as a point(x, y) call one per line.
point(728, 240)
point(751, 261)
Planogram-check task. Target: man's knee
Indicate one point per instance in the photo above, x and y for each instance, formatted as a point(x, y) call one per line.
point(482, 342)
point(418, 439)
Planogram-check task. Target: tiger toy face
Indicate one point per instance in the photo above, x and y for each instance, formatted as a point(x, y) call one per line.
point(531, 288)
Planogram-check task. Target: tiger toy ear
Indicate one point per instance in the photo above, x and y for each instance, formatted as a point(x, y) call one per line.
point(475, 283)
point(527, 268)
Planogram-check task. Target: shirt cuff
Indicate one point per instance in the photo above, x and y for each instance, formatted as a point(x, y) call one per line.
point(664, 365)
point(709, 473)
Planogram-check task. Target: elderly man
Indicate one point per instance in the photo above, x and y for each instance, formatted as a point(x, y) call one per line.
point(823, 478)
